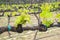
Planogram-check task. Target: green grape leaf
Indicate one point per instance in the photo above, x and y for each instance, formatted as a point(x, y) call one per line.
point(7, 13)
point(14, 13)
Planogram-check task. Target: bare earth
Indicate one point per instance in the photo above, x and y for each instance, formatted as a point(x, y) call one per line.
point(51, 34)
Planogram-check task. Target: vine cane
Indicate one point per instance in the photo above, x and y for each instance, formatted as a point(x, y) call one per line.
point(9, 27)
point(38, 25)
